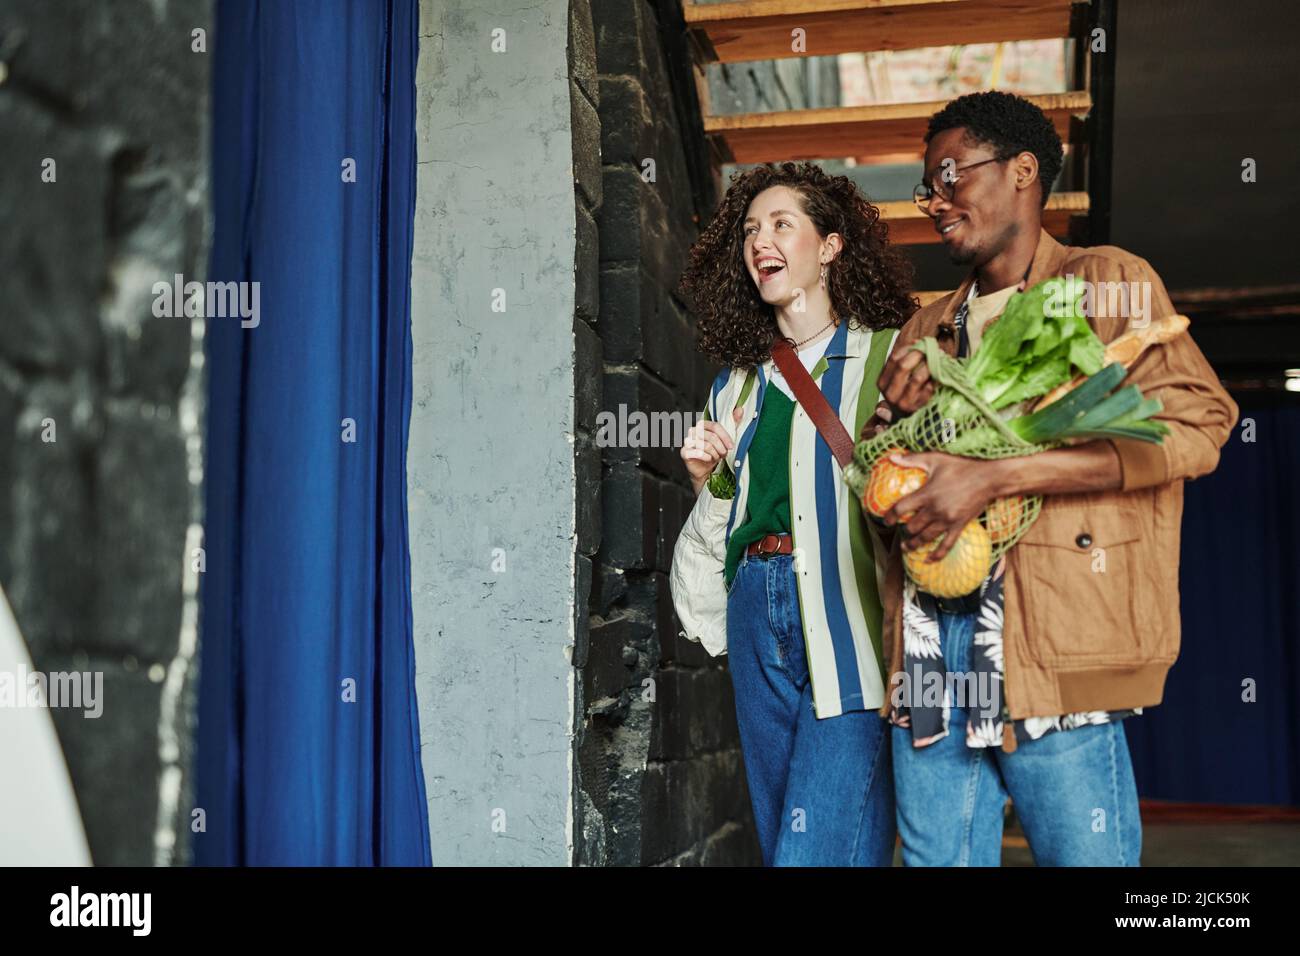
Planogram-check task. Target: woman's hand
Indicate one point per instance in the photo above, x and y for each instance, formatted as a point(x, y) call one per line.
point(705, 444)
point(905, 381)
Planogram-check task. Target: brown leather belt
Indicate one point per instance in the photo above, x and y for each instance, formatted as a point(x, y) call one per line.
point(771, 544)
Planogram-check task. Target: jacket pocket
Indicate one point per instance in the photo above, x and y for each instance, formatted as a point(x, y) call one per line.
point(1082, 566)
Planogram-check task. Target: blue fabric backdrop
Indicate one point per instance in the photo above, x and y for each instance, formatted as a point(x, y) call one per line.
point(1240, 587)
point(307, 586)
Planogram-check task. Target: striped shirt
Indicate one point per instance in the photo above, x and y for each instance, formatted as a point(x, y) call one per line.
point(839, 559)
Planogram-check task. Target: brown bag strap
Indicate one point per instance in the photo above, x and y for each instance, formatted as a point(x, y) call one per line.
point(813, 401)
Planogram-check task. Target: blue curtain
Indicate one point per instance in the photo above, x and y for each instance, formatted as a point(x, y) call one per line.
point(1240, 588)
point(309, 748)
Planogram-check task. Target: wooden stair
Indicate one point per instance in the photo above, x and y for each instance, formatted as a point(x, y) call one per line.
point(909, 226)
point(762, 29)
point(886, 133)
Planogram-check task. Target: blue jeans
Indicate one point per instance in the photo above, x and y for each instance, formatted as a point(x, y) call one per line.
point(1073, 790)
point(822, 790)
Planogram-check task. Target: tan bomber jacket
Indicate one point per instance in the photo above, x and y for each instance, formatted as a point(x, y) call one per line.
point(1076, 638)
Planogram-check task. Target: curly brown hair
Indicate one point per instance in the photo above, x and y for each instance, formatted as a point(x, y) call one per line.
point(870, 281)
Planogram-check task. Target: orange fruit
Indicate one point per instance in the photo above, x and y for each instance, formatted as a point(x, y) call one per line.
point(960, 571)
point(888, 482)
point(1002, 518)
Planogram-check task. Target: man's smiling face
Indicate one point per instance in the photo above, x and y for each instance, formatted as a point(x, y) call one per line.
point(979, 221)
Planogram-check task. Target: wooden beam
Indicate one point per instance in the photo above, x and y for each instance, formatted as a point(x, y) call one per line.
point(909, 226)
point(1240, 302)
point(881, 133)
point(1170, 811)
point(1219, 303)
point(763, 29)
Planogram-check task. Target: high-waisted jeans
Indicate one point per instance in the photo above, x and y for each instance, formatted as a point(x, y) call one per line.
point(822, 790)
point(1073, 790)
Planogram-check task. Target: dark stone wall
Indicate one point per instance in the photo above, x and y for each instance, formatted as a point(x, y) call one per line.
point(93, 525)
point(659, 765)
point(659, 777)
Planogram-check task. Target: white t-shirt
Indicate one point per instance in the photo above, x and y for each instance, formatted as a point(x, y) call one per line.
point(809, 356)
point(981, 309)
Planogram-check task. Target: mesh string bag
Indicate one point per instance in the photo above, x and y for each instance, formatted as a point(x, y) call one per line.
point(968, 434)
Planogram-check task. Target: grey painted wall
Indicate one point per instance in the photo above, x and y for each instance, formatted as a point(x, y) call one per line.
point(491, 457)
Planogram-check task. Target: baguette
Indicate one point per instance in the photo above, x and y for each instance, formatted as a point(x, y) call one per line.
point(1125, 350)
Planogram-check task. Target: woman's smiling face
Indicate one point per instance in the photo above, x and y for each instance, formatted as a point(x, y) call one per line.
point(782, 248)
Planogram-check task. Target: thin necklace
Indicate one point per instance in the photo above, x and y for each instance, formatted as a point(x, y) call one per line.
point(777, 371)
point(817, 333)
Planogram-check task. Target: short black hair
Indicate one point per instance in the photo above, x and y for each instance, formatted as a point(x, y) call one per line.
point(1010, 124)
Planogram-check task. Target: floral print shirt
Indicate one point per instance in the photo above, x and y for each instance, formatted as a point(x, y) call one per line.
point(925, 710)
point(930, 693)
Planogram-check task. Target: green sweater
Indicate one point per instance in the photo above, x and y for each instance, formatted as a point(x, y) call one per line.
point(767, 510)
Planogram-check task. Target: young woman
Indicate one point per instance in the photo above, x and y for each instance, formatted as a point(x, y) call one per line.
point(777, 566)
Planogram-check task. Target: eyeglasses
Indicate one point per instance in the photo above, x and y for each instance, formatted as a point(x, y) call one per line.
point(923, 192)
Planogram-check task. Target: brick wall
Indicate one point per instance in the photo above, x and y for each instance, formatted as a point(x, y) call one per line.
point(93, 524)
point(659, 776)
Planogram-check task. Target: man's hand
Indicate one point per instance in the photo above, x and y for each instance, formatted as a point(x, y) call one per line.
point(956, 490)
point(880, 420)
point(905, 381)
